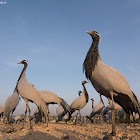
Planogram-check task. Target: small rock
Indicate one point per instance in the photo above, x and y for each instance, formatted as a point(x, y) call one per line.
point(13, 135)
point(108, 137)
point(124, 137)
point(88, 138)
point(80, 136)
point(65, 136)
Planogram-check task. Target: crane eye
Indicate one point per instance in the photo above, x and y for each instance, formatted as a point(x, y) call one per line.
point(97, 33)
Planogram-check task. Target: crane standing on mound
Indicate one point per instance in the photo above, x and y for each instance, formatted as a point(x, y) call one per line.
point(108, 82)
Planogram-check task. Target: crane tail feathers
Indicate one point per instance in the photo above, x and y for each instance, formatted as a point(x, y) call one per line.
point(65, 106)
point(44, 108)
point(67, 109)
point(136, 103)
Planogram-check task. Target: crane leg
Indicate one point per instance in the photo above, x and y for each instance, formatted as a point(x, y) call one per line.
point(12, 117)
point(29, 116)
point(113, 115)
point(24, 118)
point(39, 115)
point(48, 115)
point(8, 120)
point(80, 117)
point(117, 116)
point(128, 118)
point(133, 119)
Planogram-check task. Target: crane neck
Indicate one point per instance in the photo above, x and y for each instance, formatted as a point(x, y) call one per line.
point(94, 49)
point(91, 60)
point(85, 93)
point(16, 90)
point(22, 75)
point(93, 105)
point(102, 101)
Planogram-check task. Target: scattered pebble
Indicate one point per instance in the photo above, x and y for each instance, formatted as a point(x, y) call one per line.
point(65, 136)
point(108, 137)
point(69, 131)
point(125, 137)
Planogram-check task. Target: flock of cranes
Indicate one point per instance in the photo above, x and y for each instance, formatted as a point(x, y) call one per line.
point(107, 81)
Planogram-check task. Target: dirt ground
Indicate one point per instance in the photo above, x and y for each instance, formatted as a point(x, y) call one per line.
point(56, 131)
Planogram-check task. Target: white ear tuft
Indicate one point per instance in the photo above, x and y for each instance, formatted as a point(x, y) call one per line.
point(26, 62)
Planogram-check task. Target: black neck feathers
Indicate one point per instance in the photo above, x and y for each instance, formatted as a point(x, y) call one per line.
point(85, 92)
point(91, 59)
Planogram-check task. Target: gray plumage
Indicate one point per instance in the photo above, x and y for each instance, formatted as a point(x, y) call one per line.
point(108, 112)
point(29, 93)
point(11, 104)
point(1, 109)
point(78, 103)
point(1, 112)
point(81, 101)
point(133, 117)
point(59, 111)
point(107, 108)
point(51, 98)
point(107, 81)
point(17, 119)
point(108, 116)
point(96, 109)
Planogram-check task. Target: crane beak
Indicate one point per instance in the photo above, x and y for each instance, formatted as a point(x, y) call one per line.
point(88, 32)
point(19, 63)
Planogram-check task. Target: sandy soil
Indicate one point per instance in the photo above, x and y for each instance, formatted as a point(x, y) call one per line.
point(69, 131)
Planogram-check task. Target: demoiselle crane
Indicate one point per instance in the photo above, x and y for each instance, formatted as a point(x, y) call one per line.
point(29, 93)
point(96, 109)
point(78, 103)
point(11, 104)
point(108, 82)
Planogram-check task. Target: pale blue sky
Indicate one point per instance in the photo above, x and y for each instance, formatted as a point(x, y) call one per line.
point(50, 34)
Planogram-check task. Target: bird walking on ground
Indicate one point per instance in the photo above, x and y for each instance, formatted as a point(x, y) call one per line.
point(108, 82)
point(29, 93)
point(79, 102)
point(96, 109)
point(66, 116)
point(11, 104)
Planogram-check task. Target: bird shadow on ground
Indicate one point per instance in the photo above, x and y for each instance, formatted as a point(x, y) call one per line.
point(73, 135)
point(36, 135)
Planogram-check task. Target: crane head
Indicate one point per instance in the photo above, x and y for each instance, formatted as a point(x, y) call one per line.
point(92, 99)
point(84, 82)
point(23, 62)
point(95, 35)
point(79, 92)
